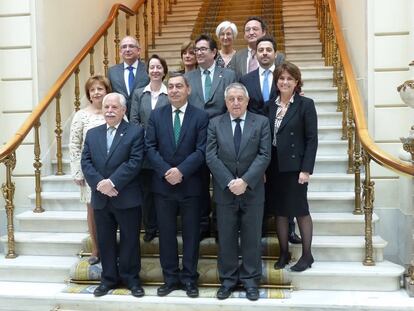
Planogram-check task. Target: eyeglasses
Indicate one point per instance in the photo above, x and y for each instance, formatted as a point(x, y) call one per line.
point(202, 49)
point(130, 46)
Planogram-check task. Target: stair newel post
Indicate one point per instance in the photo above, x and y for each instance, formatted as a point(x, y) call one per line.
point(116, 40)
point(368, 195)
point(146, 28)
point(127, 28)
point(350, 136)
point(165, 9)
point(105, 51)
point(8, 189)
point(152, 24)
point(91, 62)
point(344, 107)
point(58, 130)
point(159, 18)
point(37, 165)
point(357, 172)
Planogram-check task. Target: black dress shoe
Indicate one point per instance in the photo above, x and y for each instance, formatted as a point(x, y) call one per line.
point(252, 293)
point(224, 292)
point(101, 290)
point(302, 264)
point(282, 261)
point(191, 290)
point(137, 291)
point(294, 238)
point(167, 288)
point(149, 236)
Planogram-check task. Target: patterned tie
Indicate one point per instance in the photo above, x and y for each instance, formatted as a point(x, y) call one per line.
point(109, 137)
point(265, 90)
point(131, 79)
point(237, 135)
point(177, 126)
point(207, 85)
point(253, 64)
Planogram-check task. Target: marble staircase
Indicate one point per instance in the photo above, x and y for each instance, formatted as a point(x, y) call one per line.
point(48, 243)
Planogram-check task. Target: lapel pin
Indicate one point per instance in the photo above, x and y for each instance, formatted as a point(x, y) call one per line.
point(122, 134)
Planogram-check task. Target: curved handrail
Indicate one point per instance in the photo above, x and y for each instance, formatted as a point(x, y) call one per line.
point(37, 112)
point(377, 154)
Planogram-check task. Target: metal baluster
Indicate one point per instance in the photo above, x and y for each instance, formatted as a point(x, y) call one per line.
point(58, 132)
point(37, 165)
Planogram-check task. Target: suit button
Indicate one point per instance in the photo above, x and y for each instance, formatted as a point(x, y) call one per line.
point(291, 133)
point(292, 145)
point(293, 156)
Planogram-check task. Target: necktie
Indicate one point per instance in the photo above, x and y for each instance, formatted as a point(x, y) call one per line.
point(207, 85)
point(253, 64)
point(109, 137)
point(177, 126)
point(265, 90)
point(131, 79)
point(237, 135)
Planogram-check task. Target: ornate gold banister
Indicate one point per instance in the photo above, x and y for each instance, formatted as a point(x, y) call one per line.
point(8, 150)
point(378, 155)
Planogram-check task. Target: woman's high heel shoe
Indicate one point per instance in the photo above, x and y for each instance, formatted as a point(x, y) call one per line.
point(282, 261)
point(302, 264)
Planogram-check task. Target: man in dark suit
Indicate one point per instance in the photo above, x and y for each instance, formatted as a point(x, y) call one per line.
point(263, 93)
point(131, 74)
point(111, 161)
point(176, 141)
point(245, 61)
point(208, 83)
point(238, 153)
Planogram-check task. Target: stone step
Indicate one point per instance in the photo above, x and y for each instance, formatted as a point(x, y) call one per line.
point(293, 6)
point(299, 12)
point(339, 224)
point(60, 201)
point(47, 244)
point(295, 24)
point(27, 268)
point(301, 42)
point(184, 16)
point(300, 30)
point(331, 182)
point(331, 202)
point(331, 164)
point(353, 276)
point(328, 93)
point(317, 81)
point(332, 147)
point(309, 48)
point(302, 35)
point(329, 132)
point(304, 62)
point(299, 18)
point(323, 71)
point(329, 118)
point(181, 27)
point(53, 221)
point(325, 105)
point(31, 296)
point(62, 183)
point(341, 248)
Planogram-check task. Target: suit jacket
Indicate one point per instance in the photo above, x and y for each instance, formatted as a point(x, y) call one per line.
point(216, 104)
point(121, 165)
point(249, 164)
point(116, 76)
point(188, 156)
point(141, 110)
point(297, 137)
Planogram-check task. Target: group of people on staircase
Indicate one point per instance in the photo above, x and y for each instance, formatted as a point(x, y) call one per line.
point(149, 149)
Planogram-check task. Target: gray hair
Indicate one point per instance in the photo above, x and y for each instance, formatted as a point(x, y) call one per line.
point(224, 25)
point(131, 37)
point(120, 97)
point(238, 86)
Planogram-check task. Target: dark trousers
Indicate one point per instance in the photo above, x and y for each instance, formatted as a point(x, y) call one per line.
point(248, 220)
point(119, 263)
point(149, 215)
point(168, 208)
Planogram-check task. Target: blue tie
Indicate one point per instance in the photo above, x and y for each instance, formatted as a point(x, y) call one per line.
point(237, 135)
point(265, 91)
point(131, 79)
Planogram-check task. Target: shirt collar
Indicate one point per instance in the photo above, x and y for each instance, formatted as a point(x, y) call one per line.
point(262, 70)
point(163, 89)
point(211, 68)
point(242, 117)
point(182, 108)
point(115, 126)
point(291, 100)
point(135, 65)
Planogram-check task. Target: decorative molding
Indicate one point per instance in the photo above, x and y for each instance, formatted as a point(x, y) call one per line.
point(391, 33)
point(391, 69)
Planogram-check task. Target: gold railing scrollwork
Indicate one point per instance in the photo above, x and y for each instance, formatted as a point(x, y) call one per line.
point(361, 147)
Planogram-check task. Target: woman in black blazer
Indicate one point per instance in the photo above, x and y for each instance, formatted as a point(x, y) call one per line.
point(294, 127)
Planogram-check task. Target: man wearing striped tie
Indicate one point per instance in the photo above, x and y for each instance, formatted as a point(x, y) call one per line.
point(176, 141)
